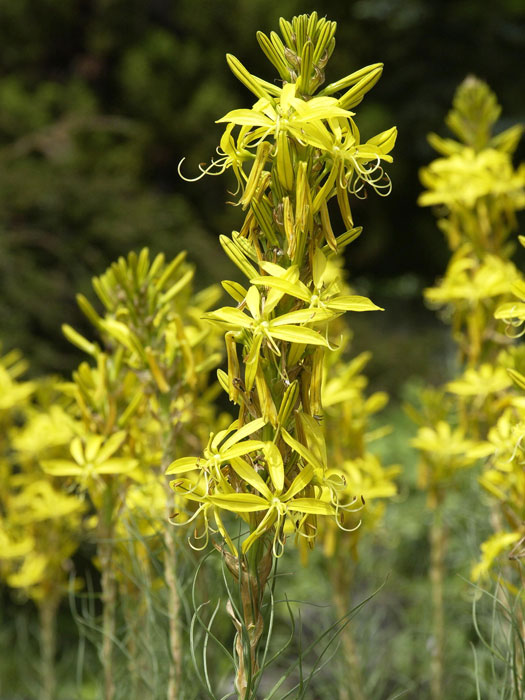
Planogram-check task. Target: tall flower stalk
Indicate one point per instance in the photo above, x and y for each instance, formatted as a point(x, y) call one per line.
point(40, 526)
point(477, 191)
point(144, 397)
point(297, 148)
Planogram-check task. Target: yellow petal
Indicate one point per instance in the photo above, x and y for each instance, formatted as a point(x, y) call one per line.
point(274, 462)
point(117, 465)
point(300, 482)
point(61, 467)
point(183, 465)
point(248, 474)
point(311, 506)
point(298, 334)
point(110, 447)
point(241, 433)
point(352, 303)
point(239, 502)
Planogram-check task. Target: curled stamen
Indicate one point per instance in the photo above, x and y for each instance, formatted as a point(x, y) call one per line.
point(348, 529)
point(263, 136)
point(387, 187)
point(300, 531)
point(278, 543)
point(380, 175)
point(204, 171)
point(513, 324)
point(187, 522)
point(360, 192)
point(517, 446)
point(205, 535)
point(192, 490)
point(365, 173)
point(343, 179)
point(361, 169)
point(364, 176)
point(347, 507)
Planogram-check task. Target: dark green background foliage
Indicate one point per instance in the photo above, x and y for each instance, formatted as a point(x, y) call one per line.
point(100, 99)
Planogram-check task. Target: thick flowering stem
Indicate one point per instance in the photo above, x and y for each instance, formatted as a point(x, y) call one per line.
point(137, 627)
point(251, 576)
point(106, 553)
point(174, 606)
point(47, 609)
point(109, 603)
point(352, 682)
point(437, 574)
point(170, 562)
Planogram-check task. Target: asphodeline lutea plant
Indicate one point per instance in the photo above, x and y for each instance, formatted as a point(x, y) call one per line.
point(145, 397)
point(476, 191)
point(504, 477)
point(503, 553)
point(294, 150)
point(40, 525)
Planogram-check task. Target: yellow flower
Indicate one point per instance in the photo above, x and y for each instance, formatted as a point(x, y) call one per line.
point(39, 501)
point(299, 118)
point(263, 326)
point(221, 448)
point(13, 393)
point(14, 547)
point(92, 457)
point(30, 573)
point(323, 296)
point(446, 450)
point(269, 497)
point(367, 477)
point(490, 550)
point(471, 280)
point(486, 379)
point(465, 177)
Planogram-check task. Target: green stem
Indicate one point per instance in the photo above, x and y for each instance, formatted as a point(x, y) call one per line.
point(47, 610)
point(174, 606)
point(109, 602)
point(437, 571)
point(252, 577)
point(137, 626)
point(341, 586)
point(170, 562)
